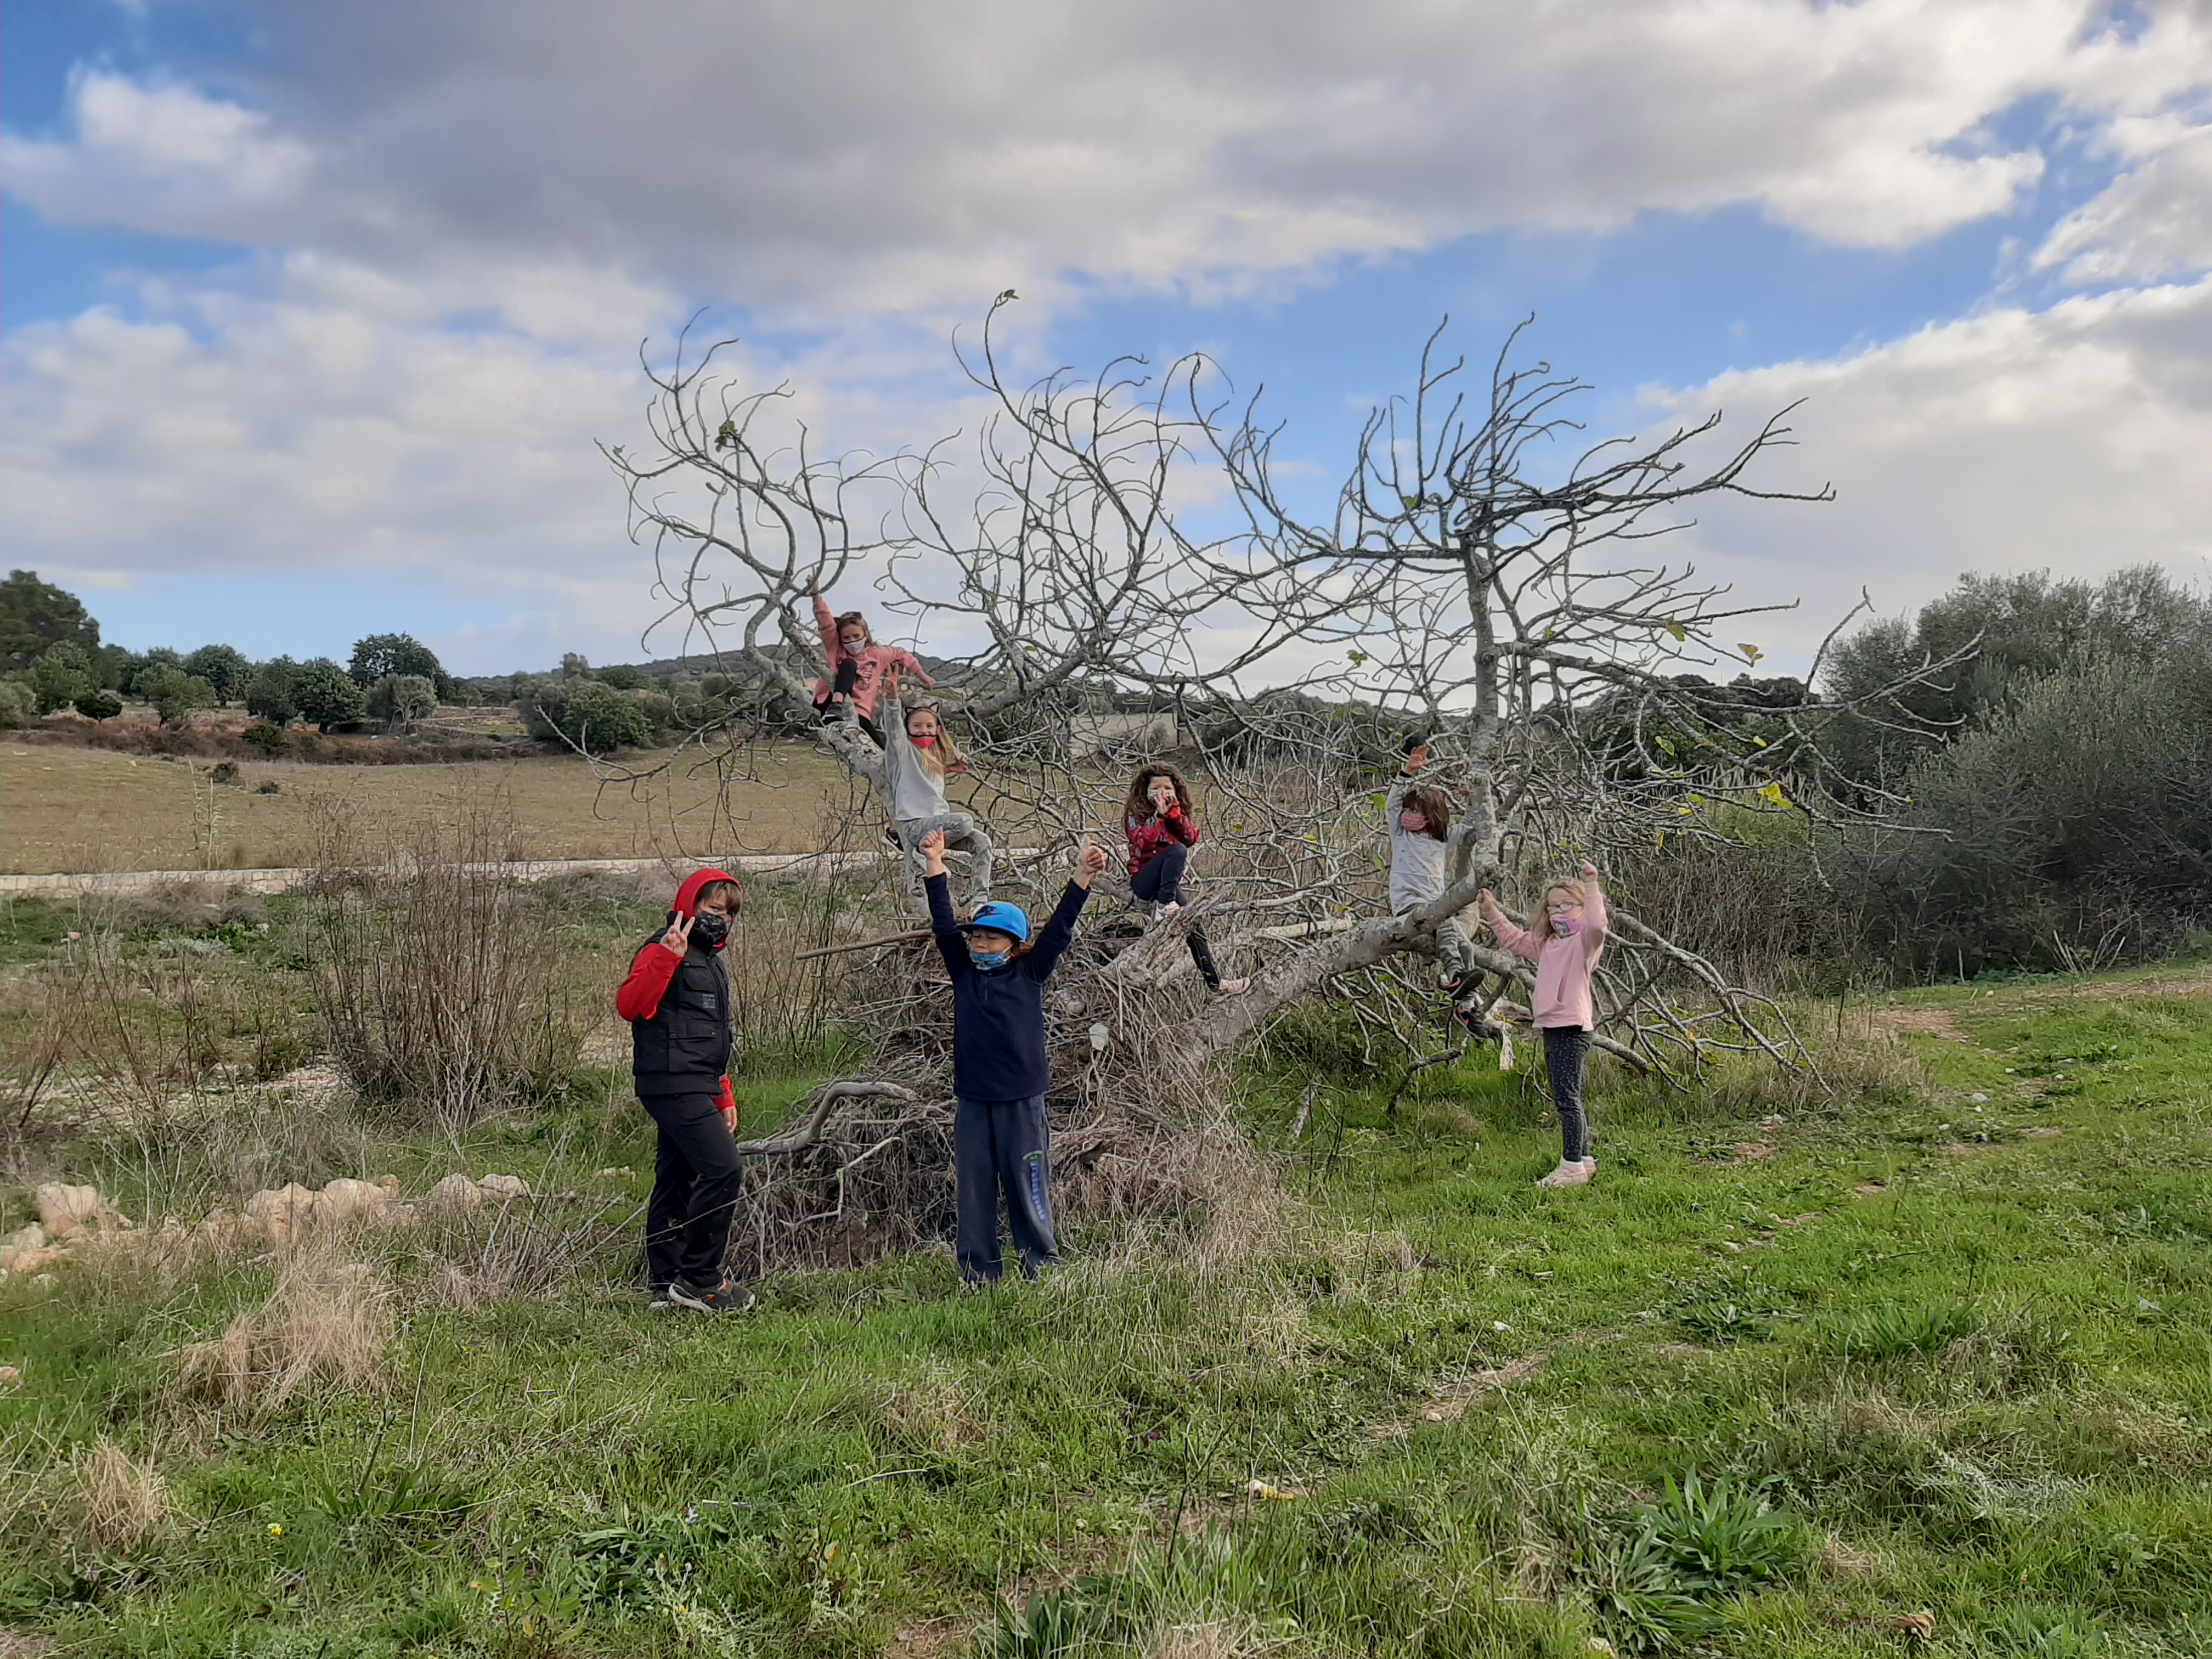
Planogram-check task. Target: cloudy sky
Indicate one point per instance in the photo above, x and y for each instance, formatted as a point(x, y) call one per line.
point(312, 310)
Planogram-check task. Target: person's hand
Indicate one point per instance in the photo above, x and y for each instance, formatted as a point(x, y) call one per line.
point(1488, 901)
point(677, 939)
point(1163, 795)
point(1417, 759)
point(956, 769)
point(1589, 870)
point(1089, 863)
point(730, 1119)
point(933, 853)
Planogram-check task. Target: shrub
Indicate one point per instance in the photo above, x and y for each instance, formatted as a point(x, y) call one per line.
point(402, 701)
point(325, 695)
point(586, 715)
point(269, 693)
point(18, 706)
point(61, 676)
point(173, 693)
point(441, 990)
point(122, 1504)
point(99, 705)
point(224, 667)
point(267, 738)
point(329, 1323)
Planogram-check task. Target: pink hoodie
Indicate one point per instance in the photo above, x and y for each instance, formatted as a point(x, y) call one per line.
point(871, 661)
point(1564, 963)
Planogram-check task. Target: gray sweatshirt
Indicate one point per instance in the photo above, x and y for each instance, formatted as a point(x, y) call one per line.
point(1417, 860)
point(917, 791)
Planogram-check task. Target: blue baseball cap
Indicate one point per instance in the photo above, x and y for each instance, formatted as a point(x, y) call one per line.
point(1000, 919)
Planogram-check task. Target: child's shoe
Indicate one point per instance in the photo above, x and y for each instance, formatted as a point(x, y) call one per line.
point(728, 1296)
point(1575, 1174)
point(1233, 987)
point(662, 1302)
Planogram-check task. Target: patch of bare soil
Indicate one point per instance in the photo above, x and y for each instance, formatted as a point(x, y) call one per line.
point(1748, 1151)
point(1926, 1022)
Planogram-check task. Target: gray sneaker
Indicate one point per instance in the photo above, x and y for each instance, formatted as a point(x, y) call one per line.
point(728, 1296)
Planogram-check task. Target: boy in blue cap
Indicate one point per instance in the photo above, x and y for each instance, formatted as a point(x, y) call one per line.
point(1000, 1143)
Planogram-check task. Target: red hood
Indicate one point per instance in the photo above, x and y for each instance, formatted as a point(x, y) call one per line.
point(687, 896)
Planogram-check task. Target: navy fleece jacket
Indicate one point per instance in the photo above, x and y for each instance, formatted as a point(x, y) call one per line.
point(998, 1013)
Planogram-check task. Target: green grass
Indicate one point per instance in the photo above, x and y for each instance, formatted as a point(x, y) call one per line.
point(1914, 1358)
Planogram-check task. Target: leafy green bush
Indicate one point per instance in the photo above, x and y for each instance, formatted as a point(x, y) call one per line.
point(402, 701)
point(1722, 1540)
point(325, 695)
point(268, 692)
point(19, 705)
point(225, 667)
point(173, 693)
point(60, 677)
point(101, 705)
point(267, 738)
point(587, 714)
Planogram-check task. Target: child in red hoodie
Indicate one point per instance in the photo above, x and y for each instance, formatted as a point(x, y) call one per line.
point(859, 665)
point(677, 1000)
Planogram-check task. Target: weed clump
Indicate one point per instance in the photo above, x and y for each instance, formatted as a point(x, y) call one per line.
point(122, 1504)
point(330, 1323)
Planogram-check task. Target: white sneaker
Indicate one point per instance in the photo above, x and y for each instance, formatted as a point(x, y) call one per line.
point(1577, 1174)
point(1167, 910)
point(1590, 1163)
point(1233, 987)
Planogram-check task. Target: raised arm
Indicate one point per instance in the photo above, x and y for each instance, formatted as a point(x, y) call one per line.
point(1596, 924)
point(1520, 943)
point(1060, 933)
point(827, 621)
point(944, 924)
point(906, 662)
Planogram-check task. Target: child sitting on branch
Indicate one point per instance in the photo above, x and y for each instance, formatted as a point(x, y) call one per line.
point(1421, 837)
point(858, 667)
point(1563, 1006)
point(1162, 825)
point(1001, 1143)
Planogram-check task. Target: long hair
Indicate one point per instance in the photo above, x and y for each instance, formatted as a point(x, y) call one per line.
point(1140, 805)
point(855, 619)
point(1433, 804)
point(941, 754)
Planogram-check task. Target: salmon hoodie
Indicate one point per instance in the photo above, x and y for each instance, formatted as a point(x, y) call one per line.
point(654, 967)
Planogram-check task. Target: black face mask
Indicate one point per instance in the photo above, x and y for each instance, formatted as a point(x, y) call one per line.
point(712, 929)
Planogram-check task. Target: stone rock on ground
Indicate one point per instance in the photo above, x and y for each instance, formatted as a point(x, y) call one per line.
point(67, 1213)
point(501, 1187)
point(456, 1193)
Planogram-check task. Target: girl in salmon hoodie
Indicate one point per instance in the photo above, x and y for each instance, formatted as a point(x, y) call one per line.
point(1563, 1006)
point(857, 666)
point(677, 1000)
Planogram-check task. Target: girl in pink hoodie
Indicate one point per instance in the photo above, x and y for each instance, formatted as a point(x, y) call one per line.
point(859, 665)
point(1563, 1006)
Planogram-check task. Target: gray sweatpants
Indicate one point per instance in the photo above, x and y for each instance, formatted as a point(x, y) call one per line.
point(962, 835)
point(1455, 955)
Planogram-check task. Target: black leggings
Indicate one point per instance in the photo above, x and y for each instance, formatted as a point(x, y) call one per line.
point(1565, 1049)
point(848, 676)
point(1158, 881)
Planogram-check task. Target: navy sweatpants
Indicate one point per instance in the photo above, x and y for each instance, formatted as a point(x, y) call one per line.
point(1003, 1147)
point(695, 1178)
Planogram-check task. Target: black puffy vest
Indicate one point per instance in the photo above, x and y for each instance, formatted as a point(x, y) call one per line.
point(684, 1049)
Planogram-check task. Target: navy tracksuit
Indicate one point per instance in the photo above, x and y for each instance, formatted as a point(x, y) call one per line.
point(1001, 1146)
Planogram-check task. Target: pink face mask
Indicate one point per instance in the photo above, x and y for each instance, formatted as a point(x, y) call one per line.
point(922, 739)
point(1567, 927)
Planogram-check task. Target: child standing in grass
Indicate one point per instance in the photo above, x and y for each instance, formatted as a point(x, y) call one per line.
point(677, 1000)
point(858, 666)
point(1563, 1006)
point(1421, 837)
point(1162, 825)
point(1000, 1143)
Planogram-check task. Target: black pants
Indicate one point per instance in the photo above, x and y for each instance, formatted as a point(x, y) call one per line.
point(1158, 881)
point(1003, 1147)
point(1565, 1049)
point(695, 1176)
point(848, 676)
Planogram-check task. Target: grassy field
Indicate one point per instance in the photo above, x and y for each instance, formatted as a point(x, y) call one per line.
point(71, 809)
point(1921, 1366)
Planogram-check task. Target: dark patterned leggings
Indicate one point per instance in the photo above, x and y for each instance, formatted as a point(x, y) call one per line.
point(1566, 1048)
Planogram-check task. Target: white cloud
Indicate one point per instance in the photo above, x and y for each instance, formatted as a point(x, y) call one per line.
point(2153, 222)
point(833, 156)
point(2072, 439)
point(461, 219)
